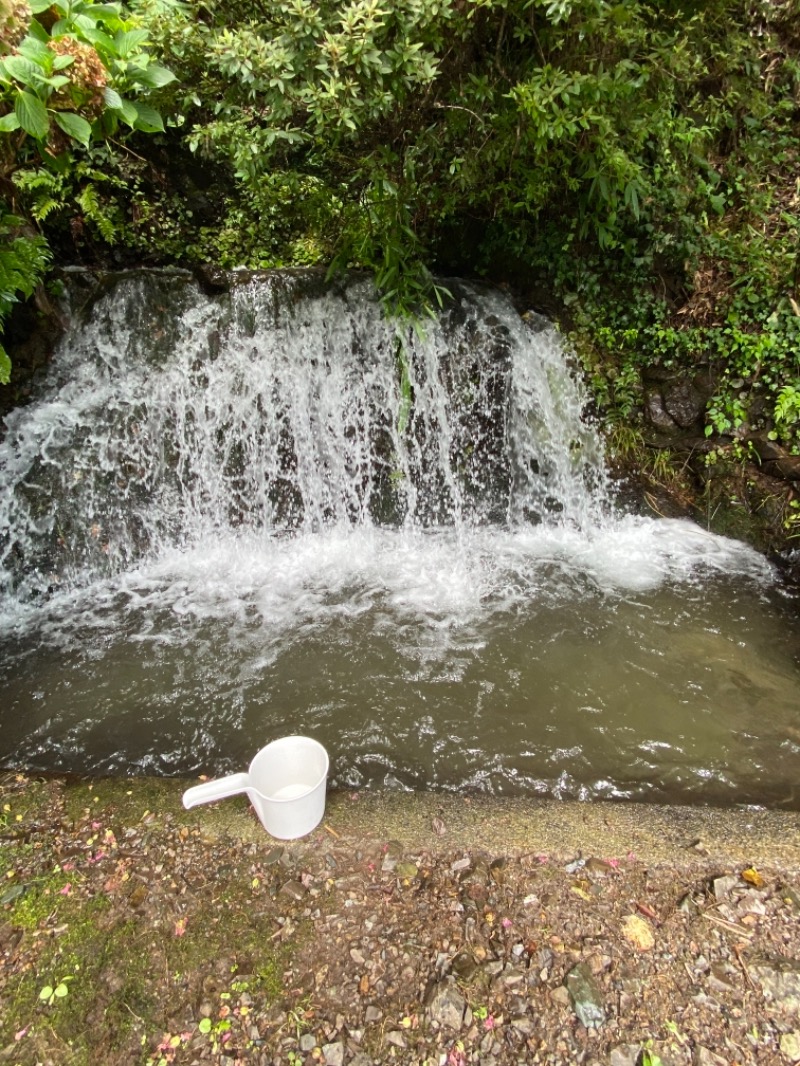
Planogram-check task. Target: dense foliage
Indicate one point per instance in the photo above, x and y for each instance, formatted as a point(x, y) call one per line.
point(638, 158)
point(72, 72)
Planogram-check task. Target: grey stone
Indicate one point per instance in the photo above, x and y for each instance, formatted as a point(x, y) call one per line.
point(587, 999)
point(523, 1025)
point(790, 1046)
point(446, 1006)
point(294, 890)
point(333, 1054)
point(361, 1058)
point(780, 983)
point(704, 1057)
point(657, 414)
point(625, 1055)
point(560, 996)
point(307, 1042)
point(395, 1038)
point(373, 1014)
point(723, 886)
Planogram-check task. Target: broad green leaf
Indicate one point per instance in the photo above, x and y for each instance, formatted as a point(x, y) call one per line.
point(148, 119)
point(36, 31)
point(61, 62)
point(128, 41)
point(129, 113)
point(84, 22)
point(73, 125)
point(35, 49)
point(32, 115)
point(154, 76)
point(24, 70)
point(5, 367)
point(38, 6)
point(9, 122)
point(106, 12)
point(100, 40)
point(112, 98)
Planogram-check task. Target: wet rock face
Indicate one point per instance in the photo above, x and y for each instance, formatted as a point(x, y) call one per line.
point(677, 404)
point(775, 459)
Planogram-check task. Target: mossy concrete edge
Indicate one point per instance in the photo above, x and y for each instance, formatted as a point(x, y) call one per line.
point(436, 822)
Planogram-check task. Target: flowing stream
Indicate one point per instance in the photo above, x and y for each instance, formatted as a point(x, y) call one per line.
point(226, 518)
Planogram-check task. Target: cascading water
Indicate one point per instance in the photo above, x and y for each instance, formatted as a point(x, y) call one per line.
point(226, 518)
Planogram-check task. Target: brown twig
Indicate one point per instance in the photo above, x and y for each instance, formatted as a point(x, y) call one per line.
point(730, 926)
point(745, 971)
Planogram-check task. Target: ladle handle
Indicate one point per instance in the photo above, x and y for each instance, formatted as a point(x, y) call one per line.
point(210, 791)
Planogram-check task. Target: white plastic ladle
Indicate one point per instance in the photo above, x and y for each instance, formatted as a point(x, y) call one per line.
point(286, 783)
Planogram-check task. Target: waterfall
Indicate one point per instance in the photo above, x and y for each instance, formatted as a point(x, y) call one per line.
point(170, 416)
point(269, 510)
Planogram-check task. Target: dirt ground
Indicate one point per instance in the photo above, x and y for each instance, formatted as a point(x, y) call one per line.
point(423, 929)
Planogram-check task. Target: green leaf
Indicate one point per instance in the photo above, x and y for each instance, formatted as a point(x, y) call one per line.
point(102, 42)
point(112, 98)
point(129, 112)
point(36, 31)
point(205, 1025)
point(23, 70)
point(32, 115)
point(46, 993)
point(35, 49)
point(9, 122)
point(129, 41)
point(106, 12)
point(154, 76)
point(38, 6)
point(148, 119)
point(74, 126)
point(5, 367)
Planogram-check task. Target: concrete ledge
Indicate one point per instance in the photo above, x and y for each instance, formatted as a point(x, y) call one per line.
point(656, 835)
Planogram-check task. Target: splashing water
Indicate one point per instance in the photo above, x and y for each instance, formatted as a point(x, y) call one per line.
point(222, 521)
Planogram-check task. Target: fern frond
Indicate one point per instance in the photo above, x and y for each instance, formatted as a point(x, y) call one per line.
point(42, 208)
point(95, 212)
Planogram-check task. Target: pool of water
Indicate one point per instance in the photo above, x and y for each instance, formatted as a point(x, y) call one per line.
point(647, 660)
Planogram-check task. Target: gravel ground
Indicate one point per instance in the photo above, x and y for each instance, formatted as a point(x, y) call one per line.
point(406, 929)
